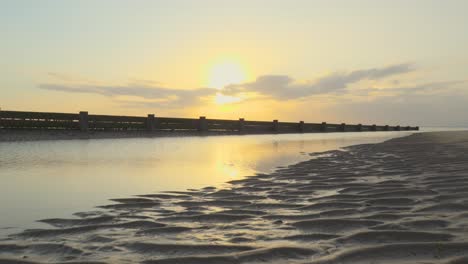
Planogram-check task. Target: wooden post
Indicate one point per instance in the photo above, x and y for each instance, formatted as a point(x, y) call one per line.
point(374, 127)
point(202, 125)
point(301, 126)
point(150, 123)
point(359, 128)
point(241, 125)
point(84, 121)
point(275, 125)
point(386, 128)
point(342, 127)
point(323, 127)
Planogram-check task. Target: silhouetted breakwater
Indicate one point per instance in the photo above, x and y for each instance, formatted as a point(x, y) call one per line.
point(82, 121)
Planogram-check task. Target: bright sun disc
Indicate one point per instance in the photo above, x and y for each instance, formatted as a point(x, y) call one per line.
point(225, 73)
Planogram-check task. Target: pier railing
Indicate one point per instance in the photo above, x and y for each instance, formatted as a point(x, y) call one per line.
point(85, 122)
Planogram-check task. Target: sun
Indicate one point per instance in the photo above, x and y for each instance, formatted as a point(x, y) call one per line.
point(225, 73)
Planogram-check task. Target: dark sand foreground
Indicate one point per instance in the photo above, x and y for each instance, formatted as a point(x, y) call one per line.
point(402, 201)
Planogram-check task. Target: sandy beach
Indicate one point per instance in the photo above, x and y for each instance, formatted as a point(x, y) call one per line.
point(401, 201)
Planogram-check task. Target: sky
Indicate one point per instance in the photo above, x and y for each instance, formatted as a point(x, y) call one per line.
point(354, 61)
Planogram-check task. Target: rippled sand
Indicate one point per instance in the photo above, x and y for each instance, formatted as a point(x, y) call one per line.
point(402, 201)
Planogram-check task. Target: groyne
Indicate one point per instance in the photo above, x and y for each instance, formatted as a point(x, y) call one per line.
point(85, 122)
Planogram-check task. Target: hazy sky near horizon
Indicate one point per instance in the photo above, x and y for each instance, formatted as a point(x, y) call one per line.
point(367, 61)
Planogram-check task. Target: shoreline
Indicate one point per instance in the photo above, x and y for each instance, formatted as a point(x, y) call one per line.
point(400, 201)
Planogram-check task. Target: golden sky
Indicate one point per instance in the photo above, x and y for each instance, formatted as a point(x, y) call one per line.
point(343, 61)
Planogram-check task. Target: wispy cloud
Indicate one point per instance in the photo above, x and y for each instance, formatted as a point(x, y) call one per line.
point(285, 87)
point(336, 87)
point(157, 96)
point(445, 107)
point(424, 88)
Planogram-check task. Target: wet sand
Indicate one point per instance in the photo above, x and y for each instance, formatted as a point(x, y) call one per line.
point(401, 201)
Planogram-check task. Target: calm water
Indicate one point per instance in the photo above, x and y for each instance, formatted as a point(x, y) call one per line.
point(47, 179)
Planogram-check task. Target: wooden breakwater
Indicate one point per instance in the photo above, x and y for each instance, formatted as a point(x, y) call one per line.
point(85, 122)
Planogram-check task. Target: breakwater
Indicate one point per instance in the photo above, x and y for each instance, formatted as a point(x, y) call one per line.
point(85, 122)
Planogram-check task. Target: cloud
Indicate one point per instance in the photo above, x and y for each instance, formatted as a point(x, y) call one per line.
point(442, 103)
point(343, 88)
point(148, 95)
point(444, 109)
point(425, 88)
point(284, 87)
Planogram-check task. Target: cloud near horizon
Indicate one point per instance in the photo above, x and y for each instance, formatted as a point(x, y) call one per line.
point(335, 86)
point(284, 87)
point(161, 96)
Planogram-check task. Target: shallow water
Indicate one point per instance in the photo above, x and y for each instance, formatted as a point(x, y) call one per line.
point(46, 179)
